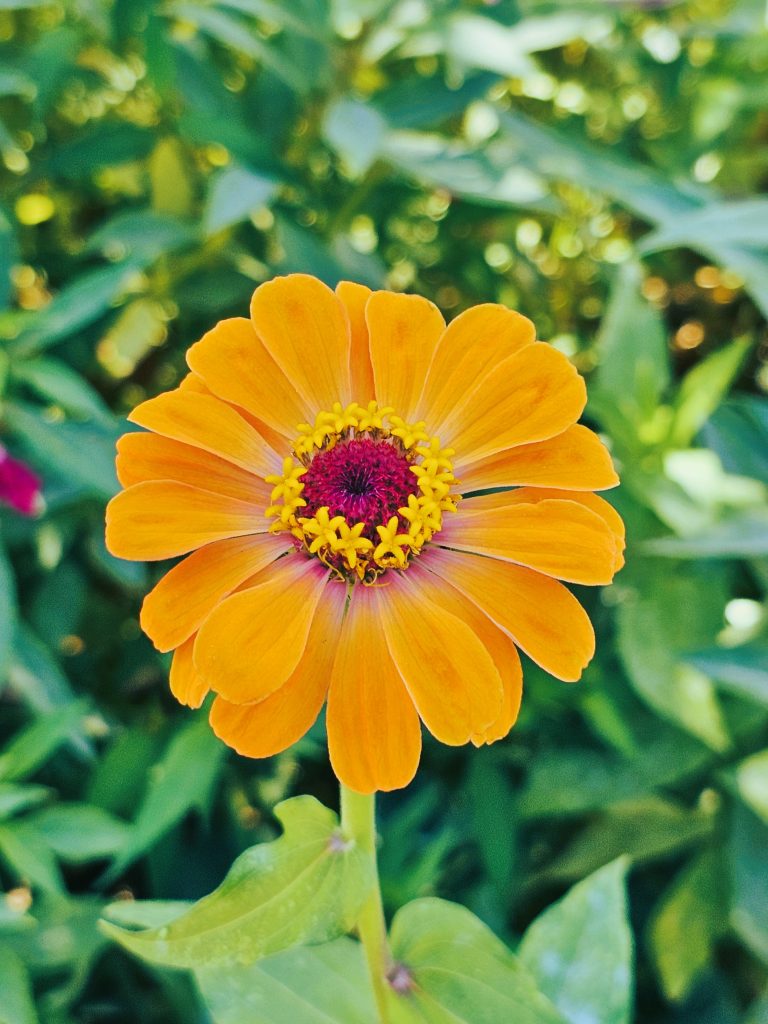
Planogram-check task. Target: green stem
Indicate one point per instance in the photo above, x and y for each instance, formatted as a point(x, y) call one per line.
point(358, 821)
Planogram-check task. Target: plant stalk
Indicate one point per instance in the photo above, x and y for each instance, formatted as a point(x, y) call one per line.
point(358, 822)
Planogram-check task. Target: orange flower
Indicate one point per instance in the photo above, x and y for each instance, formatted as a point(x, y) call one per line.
point(323, 462)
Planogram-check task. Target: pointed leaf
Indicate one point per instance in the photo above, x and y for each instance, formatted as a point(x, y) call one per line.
point(305, 887)
point(580, 950)
point(460, 972)
point(325, 984)
point(17, 1006)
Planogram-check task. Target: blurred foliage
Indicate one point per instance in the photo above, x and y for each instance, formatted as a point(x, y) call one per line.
point(597, 166)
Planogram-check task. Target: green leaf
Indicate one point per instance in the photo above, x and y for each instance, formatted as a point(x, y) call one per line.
point(749, 879)
point(687, 922)
point(29, 857)
point(742, 222)
point(739, 536)
point(141, 234)
point(645, 829)
point(741, 669)
point(633, 370)
point(325, 984)
point(17, 1005)
point(580, 950)
point(55, 382)
point(656, 625)
point(304, 888)
point(35, 675)
point(8, 612)
point(703, 389)
point(173, 791)
point(460, 972)
point(751, 777)
point(14, 798)
point(36, 744)
point(562, 156)
point(79, 833)
point(355, 130)
point(235, 193)
point(76, 306)
point(81, 455)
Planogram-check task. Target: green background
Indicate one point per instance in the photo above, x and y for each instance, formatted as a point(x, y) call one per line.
point(596, 166)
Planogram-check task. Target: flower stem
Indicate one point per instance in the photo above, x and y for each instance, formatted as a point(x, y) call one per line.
point(358, 821)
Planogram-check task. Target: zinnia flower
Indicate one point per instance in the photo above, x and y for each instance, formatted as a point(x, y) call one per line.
point(327, 463)
point(19, 486)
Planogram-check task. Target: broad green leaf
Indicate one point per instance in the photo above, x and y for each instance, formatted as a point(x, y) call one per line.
point(740, 536)
point(17, 1005)
point(75, 307)
point(78, 455)
point(687, 922)
point(752, 783)
point(644, 829)
point(141, 234)
point(580, 950)
point(749, 879)
point(633, 369)
point(560, 155)
point(234, 194)
point(657, 625)
point(703, 389)
point(741, 669)
point(355, 130)
point(738, 432)
point(29, 858)
point(79, 833)
point(325, 984)
point(35, 675)
point(304, 888)
point(490, 175)
point(742, 222)
point(460, 972)
point(173, 790)
point(53, 381)
point(35, 744)
point(15, 798)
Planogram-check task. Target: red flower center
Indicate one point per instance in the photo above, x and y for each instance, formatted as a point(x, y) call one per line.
point(363, 480)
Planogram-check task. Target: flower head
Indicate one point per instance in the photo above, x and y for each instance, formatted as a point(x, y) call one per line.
point(325, 468)
point(20, 488)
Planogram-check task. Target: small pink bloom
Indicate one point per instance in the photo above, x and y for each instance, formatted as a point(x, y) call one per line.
point(19, 486)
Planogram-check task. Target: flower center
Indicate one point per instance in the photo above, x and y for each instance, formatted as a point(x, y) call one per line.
point(362, 480)
point(365, 492)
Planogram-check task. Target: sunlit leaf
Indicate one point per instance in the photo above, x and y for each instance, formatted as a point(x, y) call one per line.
point(17, 1006)
point(580, 950)
point(325, 984)
point(305, 887)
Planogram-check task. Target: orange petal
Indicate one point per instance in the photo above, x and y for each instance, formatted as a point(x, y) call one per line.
point(304, 328)
point(533, 495)
point(186, 595)
point(142, 457)
point(449, 673)
point(191, 382)
point(576, 460)
point(403, 331)
point(374, 737)
point(250, 643)
point(496, 642)
point(564, 539)
point(538, 613)
point(210, 424)
point(163, 519)
point(531, 396)
point(186, 685)
point(278, 721)
point(354, 298)
point(472, 345)
point(236, 366)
